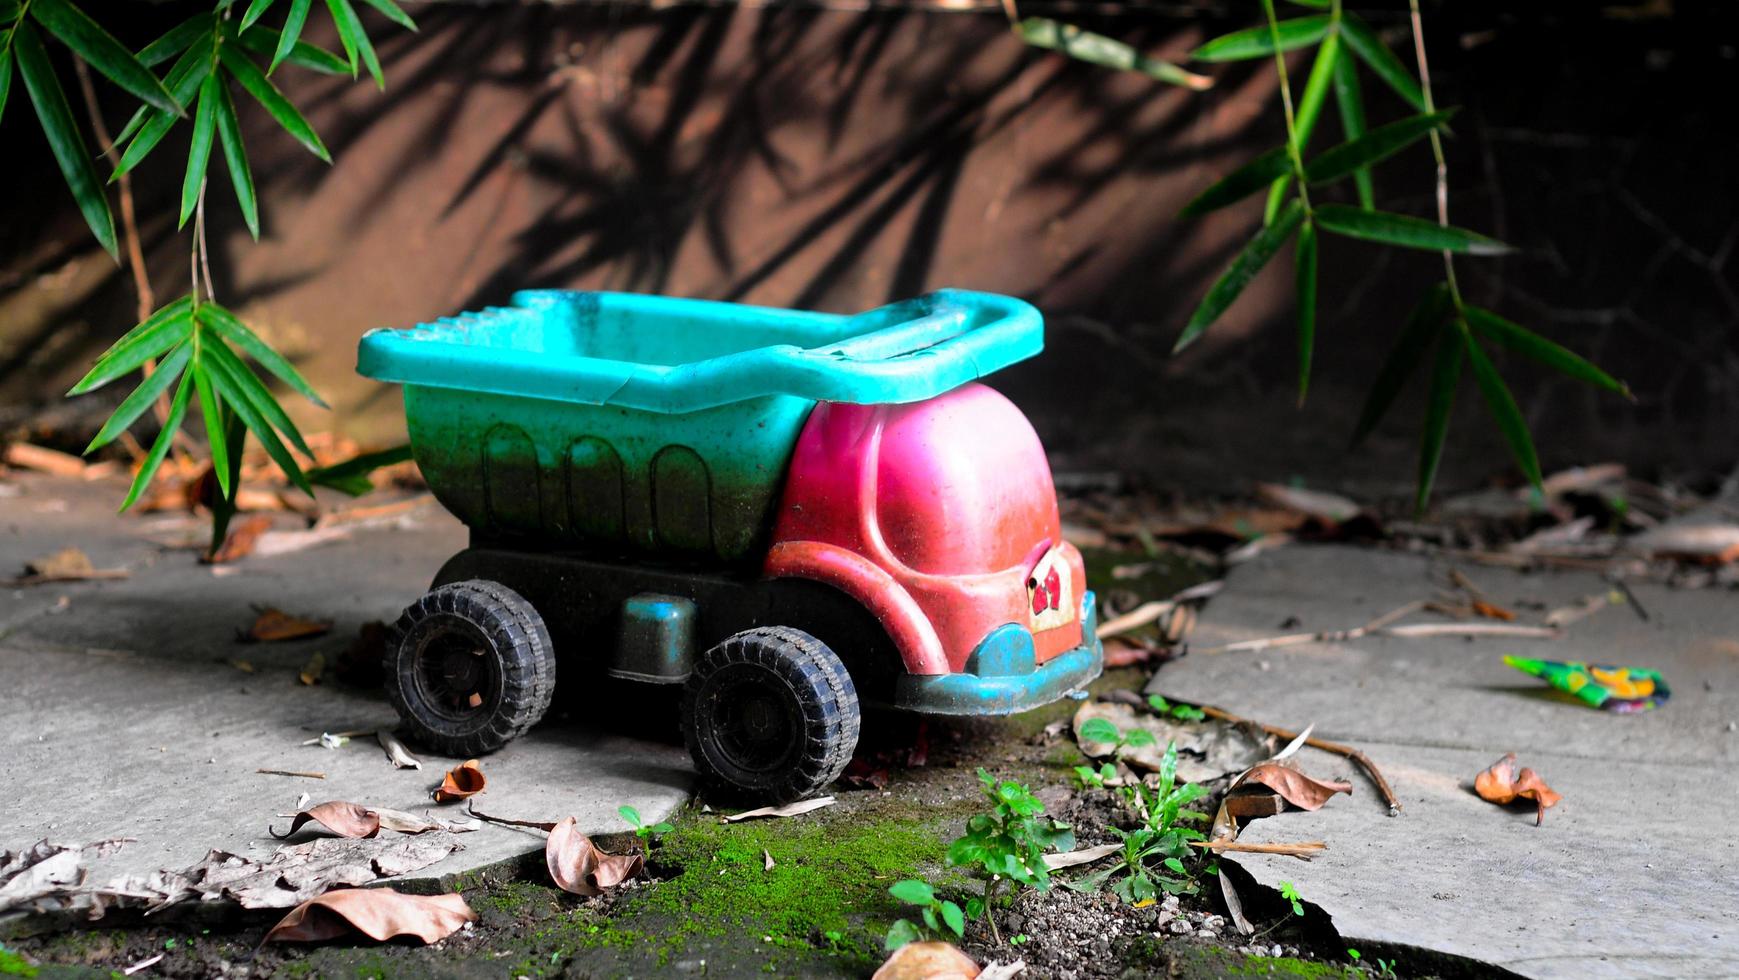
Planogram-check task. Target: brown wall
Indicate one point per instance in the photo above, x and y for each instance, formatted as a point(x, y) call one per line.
point(839, 160)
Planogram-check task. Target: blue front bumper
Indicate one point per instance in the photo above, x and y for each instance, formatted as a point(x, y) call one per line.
point(1001, 678)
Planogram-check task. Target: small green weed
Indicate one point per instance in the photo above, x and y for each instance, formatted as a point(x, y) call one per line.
point(1182, 712)
point(937, 914)
point(1162, 838)
point(647, 833)
point(1009, 843)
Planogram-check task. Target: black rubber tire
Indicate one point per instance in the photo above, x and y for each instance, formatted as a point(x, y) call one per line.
point(770, 715)
point(475, 636)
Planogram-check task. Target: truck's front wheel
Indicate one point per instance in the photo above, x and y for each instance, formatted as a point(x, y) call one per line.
point(469, 667)
point(770, 714)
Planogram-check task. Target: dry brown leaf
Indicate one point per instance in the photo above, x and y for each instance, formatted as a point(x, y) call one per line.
point(1712, 544)
point(461, 782)
point(239, 542)
point(274, 626)
point(1304, 792)
point(396, 752)
point(1503, 784)
point(576, 865)
point(65, 565)
point(1086, 855)
point(378, 913)
point(1492, 611)
point(927, 961)
point(311, 671)
point(1330, 507)
point(344, 819)
point(788, 810)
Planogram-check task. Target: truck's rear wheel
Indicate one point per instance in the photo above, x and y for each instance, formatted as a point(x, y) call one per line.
point(469, 667)
point(770, 714)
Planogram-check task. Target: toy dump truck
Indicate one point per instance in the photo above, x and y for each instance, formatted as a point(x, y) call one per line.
point(790, 513)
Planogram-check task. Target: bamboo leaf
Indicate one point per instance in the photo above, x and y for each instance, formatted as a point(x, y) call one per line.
point(232, 329)
point(255, 11)
point(1243, 269)
point(291, 33)
point(154, 124)
point(135, 404)
point(1445, 377)
point(261, 88)
point(174, 41)
point(354, 37)
point(248, 388)
point(199, 150)
point(1305, 277)
point(1530, 344)
point(1258, 42)
point(242, 392)
point(1097, 49)
point(393, 13)
point(1239, 184)
point(101, 51)
point(1309, 109)
point(1351, 103)
point(163, 330)
point(235, 156)
point(351, 476)
point(263, 41)
point(1314, 4)
point(1377, 145)
point(5, 78)
point(1423, 324)
point(215, 435)
point(1503, 406)
point(160, 448)
point(55, 116)
point(1404, 230)
point(1370, 48)
point(176, 81)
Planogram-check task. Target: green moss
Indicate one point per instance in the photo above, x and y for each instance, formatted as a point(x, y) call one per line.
point(1290, 966)
point(14, 965)
point(822, 908)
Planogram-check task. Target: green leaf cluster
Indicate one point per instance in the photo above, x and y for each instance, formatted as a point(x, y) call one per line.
point(208, 55)
point(196, 347)
point(1444, 321)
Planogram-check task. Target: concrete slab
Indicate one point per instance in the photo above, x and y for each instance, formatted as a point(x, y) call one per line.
point(123, 715)
point(1631, 875)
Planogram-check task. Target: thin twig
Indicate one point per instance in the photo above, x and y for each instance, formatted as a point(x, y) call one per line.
point(1296, 848)
point(1436, 146)
point(533, 824)
point(290, 772)
point(1325, 636)
point(1293, 150)
point(147, 301)
point(1635, 603)
point(1347, 751)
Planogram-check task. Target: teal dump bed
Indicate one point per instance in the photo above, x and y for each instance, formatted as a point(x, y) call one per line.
point(622, 422)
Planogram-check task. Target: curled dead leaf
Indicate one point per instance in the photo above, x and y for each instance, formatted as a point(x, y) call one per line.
point(1502, 784)
point(927, 961)
point(461, 782)
point(400, 756)
point(378, 913)
point(788, 810)
point(1304, 792)
point(576, 865)
point(344, 819)
point(275, 625)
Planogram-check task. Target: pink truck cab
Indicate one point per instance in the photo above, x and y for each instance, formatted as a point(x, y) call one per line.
point(792, 515)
